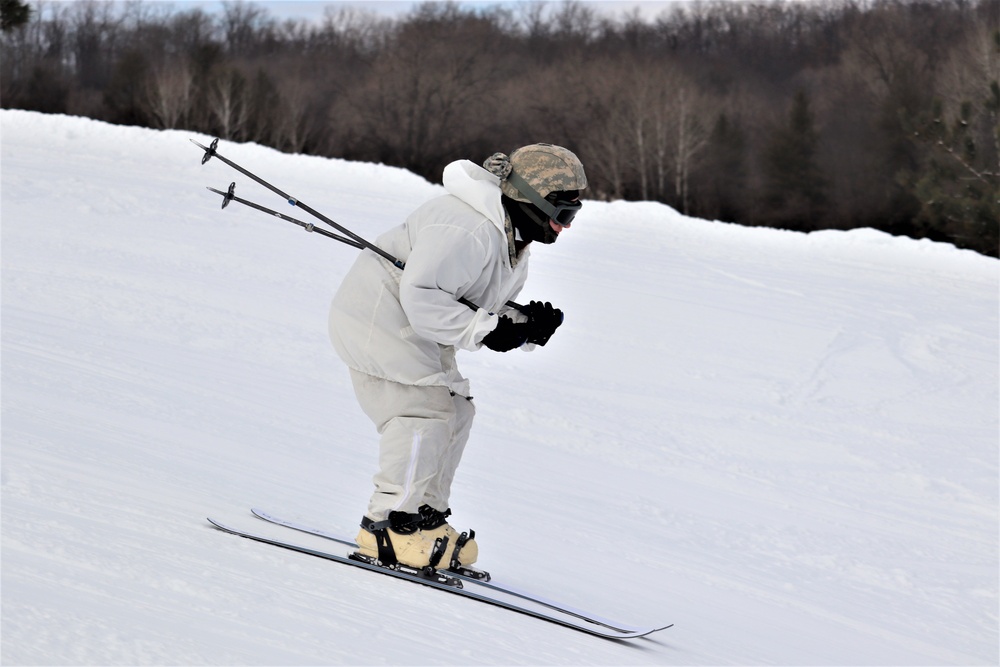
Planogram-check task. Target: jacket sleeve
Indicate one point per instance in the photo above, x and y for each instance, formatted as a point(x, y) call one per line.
point(514, 313)
point(441, 267)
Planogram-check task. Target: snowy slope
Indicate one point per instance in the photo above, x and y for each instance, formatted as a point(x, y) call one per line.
point(786, 444)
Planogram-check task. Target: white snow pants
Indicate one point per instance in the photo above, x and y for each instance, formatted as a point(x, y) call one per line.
point(423, 434)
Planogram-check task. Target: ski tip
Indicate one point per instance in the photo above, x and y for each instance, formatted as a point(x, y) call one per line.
point(266, 516)
point(220, 526)
point(644, 633)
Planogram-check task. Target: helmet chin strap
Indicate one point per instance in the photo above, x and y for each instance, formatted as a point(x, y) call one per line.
point(537, 199)
point(548, 235)
point(530, 223)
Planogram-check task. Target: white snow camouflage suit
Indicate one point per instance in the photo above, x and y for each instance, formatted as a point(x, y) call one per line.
point(398, 332)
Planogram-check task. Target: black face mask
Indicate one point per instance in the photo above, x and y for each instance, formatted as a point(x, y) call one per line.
point(531, 223)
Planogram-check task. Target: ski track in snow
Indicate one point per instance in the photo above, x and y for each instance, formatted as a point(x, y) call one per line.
point(786, 444)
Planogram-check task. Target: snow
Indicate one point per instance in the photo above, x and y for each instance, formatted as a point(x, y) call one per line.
point(785, 444)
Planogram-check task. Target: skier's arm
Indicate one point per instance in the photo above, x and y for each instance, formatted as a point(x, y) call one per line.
point(438, 271)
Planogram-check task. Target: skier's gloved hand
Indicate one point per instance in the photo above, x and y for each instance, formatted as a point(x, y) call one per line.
point(543, 320)
point(507, 336)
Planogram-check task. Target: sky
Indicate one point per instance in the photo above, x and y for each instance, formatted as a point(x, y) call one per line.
point(650, 8)
point(314, 9)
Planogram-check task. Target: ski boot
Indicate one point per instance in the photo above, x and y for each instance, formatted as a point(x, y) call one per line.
point(462, 550)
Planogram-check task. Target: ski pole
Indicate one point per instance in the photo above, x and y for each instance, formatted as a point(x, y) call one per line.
point(210, 152)
point(352, 240)
point(230, 196)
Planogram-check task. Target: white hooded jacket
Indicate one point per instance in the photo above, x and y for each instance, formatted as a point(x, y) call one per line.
point(405, 325)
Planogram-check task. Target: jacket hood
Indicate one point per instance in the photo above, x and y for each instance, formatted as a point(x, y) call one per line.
point(476, 187)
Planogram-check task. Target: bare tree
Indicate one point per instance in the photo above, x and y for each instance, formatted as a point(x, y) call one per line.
point(245, 26)
point(903, 95)
point(691, 133)
point(429, 94)
point(95, 42)
point(169, 93)
point(296, 125)
point(227, 103)
point(609, 144)
point(966, 78)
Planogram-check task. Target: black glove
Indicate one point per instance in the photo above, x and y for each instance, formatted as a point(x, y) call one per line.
point(543, 320)
point(507, 336)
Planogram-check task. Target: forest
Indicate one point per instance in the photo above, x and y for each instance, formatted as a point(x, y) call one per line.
point(833, 114)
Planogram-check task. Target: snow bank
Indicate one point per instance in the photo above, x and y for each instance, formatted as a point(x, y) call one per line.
point(784, 443)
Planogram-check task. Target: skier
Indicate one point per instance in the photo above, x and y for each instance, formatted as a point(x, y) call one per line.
point(398, 332)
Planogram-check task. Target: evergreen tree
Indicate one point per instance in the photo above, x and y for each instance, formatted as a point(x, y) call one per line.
point(13, 13)
point(795, 190)
point(724, 171)
point(958, 190)
point(125, 91)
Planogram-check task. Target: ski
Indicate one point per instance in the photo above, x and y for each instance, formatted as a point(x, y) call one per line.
point(444, 581)
point(475, 578)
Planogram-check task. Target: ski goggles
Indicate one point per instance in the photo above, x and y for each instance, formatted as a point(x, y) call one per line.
point(561, 211)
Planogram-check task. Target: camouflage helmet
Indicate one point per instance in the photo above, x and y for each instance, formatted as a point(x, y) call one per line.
point(547, 169)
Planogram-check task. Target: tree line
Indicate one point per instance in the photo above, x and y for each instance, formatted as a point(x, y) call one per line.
point(833, 114)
